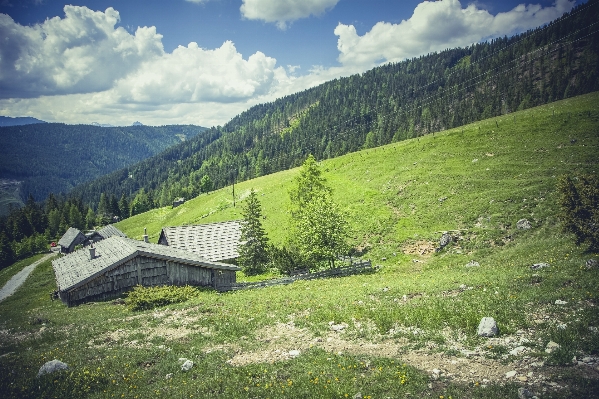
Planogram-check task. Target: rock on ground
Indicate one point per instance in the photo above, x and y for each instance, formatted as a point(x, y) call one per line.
point(51, 367)
point(187, 364)
point(487, 327)
point(538, 266)
point(523, 224)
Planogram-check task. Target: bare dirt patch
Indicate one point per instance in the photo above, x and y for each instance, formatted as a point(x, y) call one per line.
point(284, 341)
point(422, 248)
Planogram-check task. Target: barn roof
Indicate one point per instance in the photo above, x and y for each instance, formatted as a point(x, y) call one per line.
point(77, 268)
point(109, 231)
point(213, 241)
point(67, 239)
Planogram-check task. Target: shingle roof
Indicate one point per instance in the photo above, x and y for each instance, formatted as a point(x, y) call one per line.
point(67, 239)
point(213, 241)
point(109, 231)
point(77, 268)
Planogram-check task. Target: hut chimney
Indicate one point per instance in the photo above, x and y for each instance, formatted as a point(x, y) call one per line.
point(146, 235)
point(92, 252)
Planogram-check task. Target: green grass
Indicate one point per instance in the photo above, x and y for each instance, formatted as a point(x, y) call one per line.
point(418, 308)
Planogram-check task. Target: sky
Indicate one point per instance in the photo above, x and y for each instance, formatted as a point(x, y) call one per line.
point(202, 62)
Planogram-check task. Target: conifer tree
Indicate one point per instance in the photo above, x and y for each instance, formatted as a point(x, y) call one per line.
point(253, 255)
point(319, 228)
point(7, 256)
point(309, 184)
point(124, 207)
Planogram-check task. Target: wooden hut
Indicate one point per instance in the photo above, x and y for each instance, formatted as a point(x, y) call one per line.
point(117, 264)
point(104, 233)
point(70, 240)
point(217, 242)
point(178, 202)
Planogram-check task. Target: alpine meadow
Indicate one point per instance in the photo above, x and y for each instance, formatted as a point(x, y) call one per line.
point(425, 229)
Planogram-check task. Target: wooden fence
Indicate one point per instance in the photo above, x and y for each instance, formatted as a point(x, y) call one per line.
point(362, 266)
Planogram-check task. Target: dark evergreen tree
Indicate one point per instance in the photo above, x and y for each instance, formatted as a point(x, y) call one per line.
point(76, 218)
point(123, 207)
point(253, 255)
point(7, 256)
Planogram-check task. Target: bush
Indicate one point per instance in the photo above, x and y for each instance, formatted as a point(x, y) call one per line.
point(285, 259)
point(579, 208)
point(144, 298)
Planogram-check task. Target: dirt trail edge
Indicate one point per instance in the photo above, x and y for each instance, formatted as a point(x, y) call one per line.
point(18, 279)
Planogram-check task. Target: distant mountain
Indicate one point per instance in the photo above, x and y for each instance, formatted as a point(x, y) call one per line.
point(137, 124)
point(54, 157)
point(102, 124)
point(18, 121)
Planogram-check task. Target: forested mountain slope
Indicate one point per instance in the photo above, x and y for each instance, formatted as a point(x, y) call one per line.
point(54, 157)
point(386, 104)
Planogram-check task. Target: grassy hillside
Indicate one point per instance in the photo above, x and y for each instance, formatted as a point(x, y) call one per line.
point(480, 179)
point(408, 330)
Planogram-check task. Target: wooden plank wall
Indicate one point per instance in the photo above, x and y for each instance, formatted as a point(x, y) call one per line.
point(147, 272)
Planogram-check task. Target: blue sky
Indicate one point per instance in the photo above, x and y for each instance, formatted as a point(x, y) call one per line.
point(204, 61)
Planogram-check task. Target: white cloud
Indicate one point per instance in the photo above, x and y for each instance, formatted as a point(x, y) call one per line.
point(193, 74)
point(80, 53)
point(435, 26)
point(82, 69)
point(284, 11)
point(197, 1)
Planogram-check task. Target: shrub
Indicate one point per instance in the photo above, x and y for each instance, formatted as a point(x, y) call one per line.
point(285, 259)
point(144, 298)
point(579, 208)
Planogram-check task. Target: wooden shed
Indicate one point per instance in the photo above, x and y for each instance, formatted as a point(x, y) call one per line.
point(70, 240)
point(104, 233)
point(117, 264)
point(213, 241)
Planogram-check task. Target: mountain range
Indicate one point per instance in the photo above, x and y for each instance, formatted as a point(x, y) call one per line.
point(387, 104)
point(54, 157)
point(18, 121)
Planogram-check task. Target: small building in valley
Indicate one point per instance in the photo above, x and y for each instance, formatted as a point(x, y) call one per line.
point(178, 201)
point(70, 240)
point(217, 242)
point(115, 265)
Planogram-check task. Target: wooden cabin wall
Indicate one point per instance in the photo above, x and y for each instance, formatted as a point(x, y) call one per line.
point(148, 272)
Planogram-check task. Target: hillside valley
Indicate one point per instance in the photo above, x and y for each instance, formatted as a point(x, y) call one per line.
point(52, 157)
point(387, 104)
point(406, 330)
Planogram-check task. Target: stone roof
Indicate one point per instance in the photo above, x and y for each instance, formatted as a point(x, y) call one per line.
point(67, 239)
point(77, 268)
point(109, 231)
point(213, 241)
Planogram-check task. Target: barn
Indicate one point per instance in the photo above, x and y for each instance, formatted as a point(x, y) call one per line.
point(217, 242)
point(117, 264)
point(70, 240)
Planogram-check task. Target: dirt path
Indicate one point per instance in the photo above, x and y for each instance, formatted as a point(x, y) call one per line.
point(15, 282)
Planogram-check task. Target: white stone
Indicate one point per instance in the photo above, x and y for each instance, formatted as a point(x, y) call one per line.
point(518, 350)
point(294, 353)
point(52, 366)
point(511, 374)
point(551, 346)
point(487, 327)
point(338, 327)
point(187, 365)
point(560, 302)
